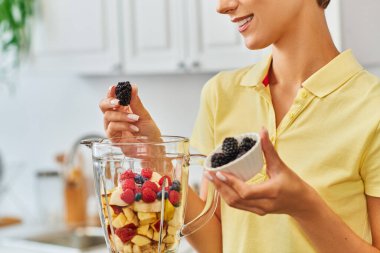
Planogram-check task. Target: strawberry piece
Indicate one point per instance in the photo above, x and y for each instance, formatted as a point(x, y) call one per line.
point(129, 184)
point(117, 209)
point(156, 226)
point(148, 195)
point(128, 196)
point(174, 198)
point(126, 233)
point(128, 174)
point(161, 181)
point(147, 173)
point(150, 185)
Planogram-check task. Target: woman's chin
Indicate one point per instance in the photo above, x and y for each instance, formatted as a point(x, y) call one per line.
point(254, 44)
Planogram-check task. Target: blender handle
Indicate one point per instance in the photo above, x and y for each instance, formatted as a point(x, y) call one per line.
point(207, 212)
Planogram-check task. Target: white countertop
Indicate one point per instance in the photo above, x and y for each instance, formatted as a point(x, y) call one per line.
point(11, 242)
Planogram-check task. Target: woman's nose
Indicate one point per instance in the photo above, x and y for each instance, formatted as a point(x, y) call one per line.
point(226, 6)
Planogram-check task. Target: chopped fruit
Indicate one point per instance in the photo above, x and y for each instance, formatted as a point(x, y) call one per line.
point(147, 173)
point(155, 177)
point(116, 210)
point(156, 226)
point(115, 199)
point(169, 239)
point(139, 179)
point(176, 220)
point(230, 147)
point(174, 198)
point(156, 235)
point(169, 211)
point(154, 207)
point(150, 233)
point(129, 184)
point(146, 218)
point(148, 195)
point(143, 230)
point(118, 243)
point(128, 196)
point(135, 221)
point(150, 185)
point(219, 159)
point(129, 214)
point(124, 92)
point(126, 233)
point(138, 196)
point(136, 249)
point(119, 221)
point(169, 181)
point(127, 248)
point(140, 240)
point(172, 230)
point(128, 174)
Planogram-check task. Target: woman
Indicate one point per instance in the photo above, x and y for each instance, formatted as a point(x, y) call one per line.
point(320, 190)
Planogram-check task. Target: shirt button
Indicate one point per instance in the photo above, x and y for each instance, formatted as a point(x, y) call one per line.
point(292, 115)
point(272, 138)
point(304, 94)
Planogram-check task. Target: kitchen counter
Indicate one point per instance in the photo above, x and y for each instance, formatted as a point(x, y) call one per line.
point(14, 240)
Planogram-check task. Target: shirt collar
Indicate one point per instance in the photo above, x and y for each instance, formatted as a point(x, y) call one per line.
point(326, 80)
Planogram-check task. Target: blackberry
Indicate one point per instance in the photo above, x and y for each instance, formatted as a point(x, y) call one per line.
point(246, 144)
point(219, 159)
point(124, 92)
point(230, 147)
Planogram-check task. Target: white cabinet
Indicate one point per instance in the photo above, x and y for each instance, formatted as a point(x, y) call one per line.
point(180, 36)
point(79, 36)
point(215, 42)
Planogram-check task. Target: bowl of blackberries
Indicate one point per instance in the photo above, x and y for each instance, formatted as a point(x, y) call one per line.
point(240, 155)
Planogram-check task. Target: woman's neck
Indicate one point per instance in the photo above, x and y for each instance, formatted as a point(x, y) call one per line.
point(305, 47)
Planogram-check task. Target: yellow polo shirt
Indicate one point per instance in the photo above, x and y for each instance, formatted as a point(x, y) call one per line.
point(330, 137)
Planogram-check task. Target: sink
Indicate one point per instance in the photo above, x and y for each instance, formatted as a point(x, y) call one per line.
point(76, 240)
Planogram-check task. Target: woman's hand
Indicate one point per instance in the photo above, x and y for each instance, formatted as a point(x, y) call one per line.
point(127, 121)
point(284, 192)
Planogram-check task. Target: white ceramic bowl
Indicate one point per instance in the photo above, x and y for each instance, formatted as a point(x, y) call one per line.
point(244, 167)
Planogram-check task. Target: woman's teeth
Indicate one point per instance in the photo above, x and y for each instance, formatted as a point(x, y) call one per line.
point(244, 21)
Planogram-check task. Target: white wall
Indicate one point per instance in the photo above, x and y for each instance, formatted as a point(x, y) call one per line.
point(48, 113)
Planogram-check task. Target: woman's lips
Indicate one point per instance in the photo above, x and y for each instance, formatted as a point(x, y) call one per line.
point(244, 23)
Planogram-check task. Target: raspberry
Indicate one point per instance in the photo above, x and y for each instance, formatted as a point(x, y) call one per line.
point(147, 173)
point(148, 195)
point(150, 185)
point(127, 175)
point(126, 233)
point(230, 147)
point(219, 159)
point(124, 92)
point(129, 184)
point(246, 144)
point(128, 196)
point(174, 198)
point(117, 209)
point(139, 179)
point(161, 181)
point(138, 189)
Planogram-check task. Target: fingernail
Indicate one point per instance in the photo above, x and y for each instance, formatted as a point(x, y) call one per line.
point(134, 128)
point(209, 177)
point(221, 177)
point(114, 101)
point(133, 117)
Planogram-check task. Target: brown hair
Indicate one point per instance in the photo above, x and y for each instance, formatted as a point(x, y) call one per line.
point(323, 3)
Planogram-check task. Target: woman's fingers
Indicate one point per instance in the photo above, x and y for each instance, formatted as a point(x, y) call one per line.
point(109, 103)
point(115, 128)
point(120, 116)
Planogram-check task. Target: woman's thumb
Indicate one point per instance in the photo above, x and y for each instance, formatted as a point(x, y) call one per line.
point(272, 159)
point(136, 104)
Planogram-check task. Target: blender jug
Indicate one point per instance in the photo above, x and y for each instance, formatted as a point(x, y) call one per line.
point(142, 187)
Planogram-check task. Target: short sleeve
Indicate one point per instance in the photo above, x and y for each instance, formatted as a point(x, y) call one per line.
point(202, 137)
point(370, 170)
